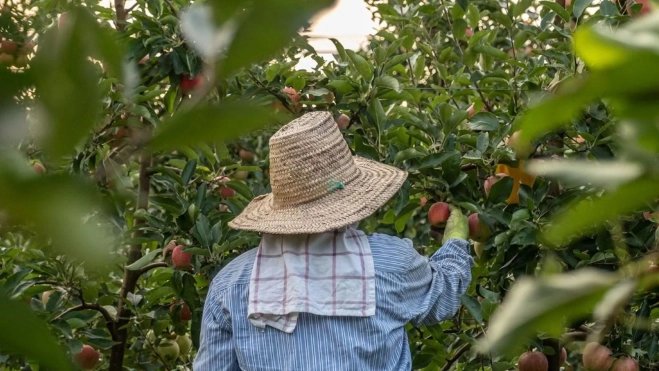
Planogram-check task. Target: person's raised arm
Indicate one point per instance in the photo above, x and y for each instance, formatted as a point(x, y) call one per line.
point(435, 285)
point(216, 351)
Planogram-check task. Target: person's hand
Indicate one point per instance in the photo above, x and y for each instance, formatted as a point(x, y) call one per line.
point(457, 226)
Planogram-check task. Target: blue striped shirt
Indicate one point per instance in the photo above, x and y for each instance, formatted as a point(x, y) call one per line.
point(409, 288)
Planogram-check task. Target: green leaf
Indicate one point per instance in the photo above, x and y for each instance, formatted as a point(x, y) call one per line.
point(377, 113)
point(473, 306)
point(266, 28)
point(435, 160)
point(556, 8)
point(364, 68)
point(463, 4)
point(406, 155)
point(220, 122)
point(582, 216)
point(388, 82)
point(241, 188)
point(484, 121)
point(21, 331)
point(608, 8)
point(501, 190)
point(491, 51)
point(203, 232)
point(340, 49)
point(579, 7)
point(543, 305)
point(188, 171)
point(143, 261)
point(341, 86)
point(521, 7)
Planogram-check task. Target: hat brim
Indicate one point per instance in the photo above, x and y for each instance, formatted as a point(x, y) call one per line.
point(375, 184)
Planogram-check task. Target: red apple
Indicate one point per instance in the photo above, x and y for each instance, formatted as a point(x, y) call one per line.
point(423, 201)
point(189, 84)
point(8, 47)
point(39, 168)
point(478, 230)
point(87, 358)
point(625, 364)
point(62, 20)
point(533, 361)
point(185, 314)
point(6, 59)
point(469, 32)
point(21, 61)
point(471, 111)
point(227, 192)
point(563, 357)
point(438, 214)
point(645, 9)
point(343, 121)
point(294, 96)
point(181, 259)
point(597, 357)
point(245, 155)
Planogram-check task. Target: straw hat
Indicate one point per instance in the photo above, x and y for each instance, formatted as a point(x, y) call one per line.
point(317, 185)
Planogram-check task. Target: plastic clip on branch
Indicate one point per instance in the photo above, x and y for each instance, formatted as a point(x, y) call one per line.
point(335, 184)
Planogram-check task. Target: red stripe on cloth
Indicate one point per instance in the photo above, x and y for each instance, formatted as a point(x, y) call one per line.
point(361, 258)
point(285, 298)
point(306, 273)
point(258, 271)
point(298, 253)
point(336, 233)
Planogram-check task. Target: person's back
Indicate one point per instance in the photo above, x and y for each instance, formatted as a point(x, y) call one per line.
point(408, 289)
point(317, 293)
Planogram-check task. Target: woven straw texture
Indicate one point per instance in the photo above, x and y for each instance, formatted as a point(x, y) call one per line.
point(317, 185)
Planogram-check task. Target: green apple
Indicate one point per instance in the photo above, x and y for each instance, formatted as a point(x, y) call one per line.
point(184, 344)
point(168, 350)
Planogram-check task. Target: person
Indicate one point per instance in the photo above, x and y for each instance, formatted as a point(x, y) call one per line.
point(318, 293)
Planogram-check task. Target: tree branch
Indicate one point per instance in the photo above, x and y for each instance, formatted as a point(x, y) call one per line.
point(458, 353)
point(109, 321)
point(131, 277)
point(121, 14)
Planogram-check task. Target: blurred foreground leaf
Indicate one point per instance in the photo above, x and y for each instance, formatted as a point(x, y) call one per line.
point(21, 331)
point(622, 64)
point(55, 207)
point(582, 216)
point(268, 27)
point(600, 174)
point(211, 123)
point(67, 80)
point(543, 305)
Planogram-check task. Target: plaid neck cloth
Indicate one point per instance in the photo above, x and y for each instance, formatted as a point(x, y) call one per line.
point(328, 274)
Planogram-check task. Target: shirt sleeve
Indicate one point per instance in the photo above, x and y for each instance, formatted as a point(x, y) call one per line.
point(434, 285)
point(216, 351)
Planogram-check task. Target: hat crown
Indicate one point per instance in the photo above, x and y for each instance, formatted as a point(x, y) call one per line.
point(309, 159)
